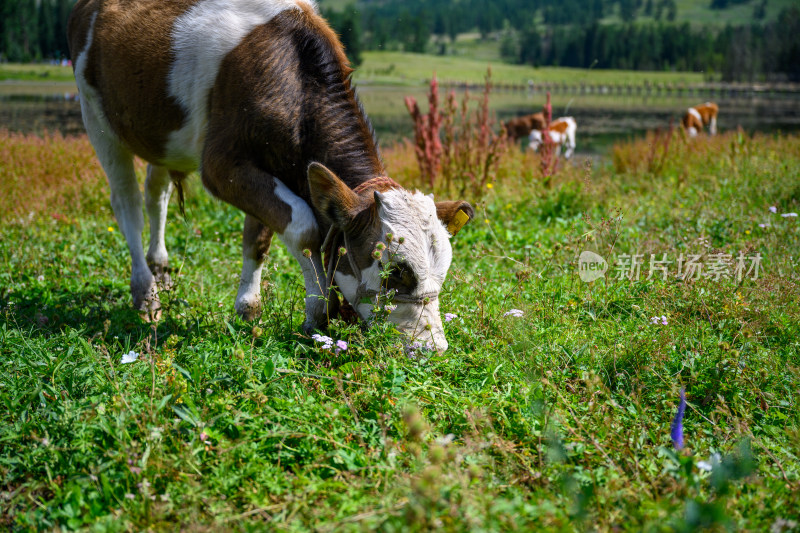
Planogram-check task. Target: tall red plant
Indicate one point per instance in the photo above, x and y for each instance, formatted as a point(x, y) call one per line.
point(547, 151)
point(427, 141)
point(467, 151)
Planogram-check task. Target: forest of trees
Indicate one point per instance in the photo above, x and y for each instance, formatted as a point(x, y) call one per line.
point(624, 34)
point(32, 30)
point(741, 53)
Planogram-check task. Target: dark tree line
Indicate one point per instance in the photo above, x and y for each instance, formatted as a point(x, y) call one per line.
point(537, 32)
point(570, 33)
point(738, 53)
point(32, 30)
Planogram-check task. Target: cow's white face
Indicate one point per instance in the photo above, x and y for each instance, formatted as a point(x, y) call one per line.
point(413, 265)
point(400, 243)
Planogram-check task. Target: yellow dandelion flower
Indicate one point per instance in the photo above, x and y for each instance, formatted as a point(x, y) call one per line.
point(490, 185)
point(486, 220)
point(110, 229)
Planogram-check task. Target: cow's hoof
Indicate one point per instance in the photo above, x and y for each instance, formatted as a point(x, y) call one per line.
point(248, 310)
point(316, 314)
point(150, 315)
point(161, 275)
point(145, 300)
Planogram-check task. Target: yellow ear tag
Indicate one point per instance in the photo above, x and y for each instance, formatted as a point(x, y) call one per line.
point(457, 222)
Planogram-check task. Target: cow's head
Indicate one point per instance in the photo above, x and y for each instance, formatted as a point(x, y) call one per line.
point(396, 241)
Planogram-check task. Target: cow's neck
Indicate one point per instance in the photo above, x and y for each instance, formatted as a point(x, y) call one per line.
point(337, 134)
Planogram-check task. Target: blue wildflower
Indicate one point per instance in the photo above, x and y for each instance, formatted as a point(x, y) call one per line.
point(676, 432)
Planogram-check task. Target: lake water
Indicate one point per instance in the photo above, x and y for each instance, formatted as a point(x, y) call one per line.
point(602, 120)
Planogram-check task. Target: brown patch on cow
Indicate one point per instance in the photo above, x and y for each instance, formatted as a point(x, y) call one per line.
point(558, 126)
point(691, 121)
point(707, 111)
point(520, 127)
point(78, 26)
point(131, 68)
point(256, 238)
point(282, 99)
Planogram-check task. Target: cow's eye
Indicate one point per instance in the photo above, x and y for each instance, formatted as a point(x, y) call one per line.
point(399, 277)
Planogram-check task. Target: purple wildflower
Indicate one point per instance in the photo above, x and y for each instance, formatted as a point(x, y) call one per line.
point(341, 346)
point(676, 432)
point(789, 215)
point(449, 316)
point(514, 312)
point(327, 342)
point(773, 209)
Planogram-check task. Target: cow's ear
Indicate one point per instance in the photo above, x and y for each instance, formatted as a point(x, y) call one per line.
point(455, 214)
point(336, 203)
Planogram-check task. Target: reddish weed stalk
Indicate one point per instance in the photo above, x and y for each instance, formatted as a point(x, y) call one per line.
point(427, 143)
point(547, 151)
point(458, 144)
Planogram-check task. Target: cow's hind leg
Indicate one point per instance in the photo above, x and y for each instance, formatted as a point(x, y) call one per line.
point(126, 201)
point(256, 239)
point(157, 190)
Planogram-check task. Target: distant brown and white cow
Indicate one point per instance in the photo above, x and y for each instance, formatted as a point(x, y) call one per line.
point(699, 116)
point(257, 95)
point(562, 133)
point(520, 127)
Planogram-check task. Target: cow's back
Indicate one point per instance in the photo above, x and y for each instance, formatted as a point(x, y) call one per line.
point(148, 66)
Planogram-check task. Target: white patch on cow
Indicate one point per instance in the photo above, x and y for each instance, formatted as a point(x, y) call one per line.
point(535, 140)
point(569, 136)
point(692, 131)
point(696, 114)
point(301, 234)
point(201, 38)
point(126, 197)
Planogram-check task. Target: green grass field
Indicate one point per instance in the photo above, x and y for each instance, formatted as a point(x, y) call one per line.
point(555, 420)
point(403, 69)
point(398, 68)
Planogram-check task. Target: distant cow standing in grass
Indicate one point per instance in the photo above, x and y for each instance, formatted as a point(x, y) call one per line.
point(700, 116)
point(562, 133)
point(257, 95)
point(520, 127)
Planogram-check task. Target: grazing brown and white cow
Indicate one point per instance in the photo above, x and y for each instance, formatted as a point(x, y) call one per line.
point(562, 133)
point(699, 116)
point(257, 95)
point(520, 127)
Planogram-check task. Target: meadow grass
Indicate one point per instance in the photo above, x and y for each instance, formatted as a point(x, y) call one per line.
point(555, 420)
point(404, 68)
point(35, 72)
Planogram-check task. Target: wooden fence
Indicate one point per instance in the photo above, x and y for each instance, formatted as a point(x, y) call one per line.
point(708, 90)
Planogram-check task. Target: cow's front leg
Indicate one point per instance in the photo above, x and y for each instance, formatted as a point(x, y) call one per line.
point(302, 238)
point(270, 202)
point(256, 239)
